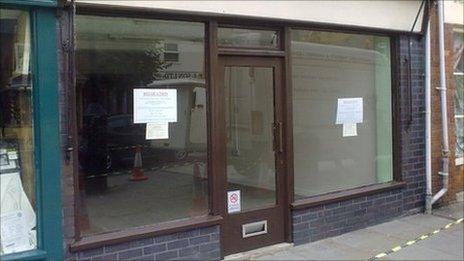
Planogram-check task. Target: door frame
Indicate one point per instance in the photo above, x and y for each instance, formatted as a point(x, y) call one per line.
point(217, 94)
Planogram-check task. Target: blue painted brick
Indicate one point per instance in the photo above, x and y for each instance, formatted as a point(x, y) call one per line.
point(178, 244)
point(90, 253)
point(189, 251)
point(154, 249)
point(199, 240)
point(105, 257)
point(167, 255)
point(214, 237)
point(141, 242)
point(188, 234)
point(166, 238)
point(130, 254)
point(209, 247)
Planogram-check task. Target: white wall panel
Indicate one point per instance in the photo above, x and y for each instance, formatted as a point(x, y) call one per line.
point(394, 15)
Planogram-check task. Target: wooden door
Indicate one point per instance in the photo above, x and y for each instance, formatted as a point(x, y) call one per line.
point(253, 190)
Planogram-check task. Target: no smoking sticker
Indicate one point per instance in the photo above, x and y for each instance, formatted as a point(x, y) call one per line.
point(233, 201)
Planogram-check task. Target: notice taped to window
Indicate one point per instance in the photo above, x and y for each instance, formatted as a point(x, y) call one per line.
point(157, 131)
point(14, 236)
point(233, 201)
point(155, 105)
point(349, 110)
point(350, 130)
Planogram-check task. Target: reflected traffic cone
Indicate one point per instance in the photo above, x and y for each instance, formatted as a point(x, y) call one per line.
point(199, 171)
point(196, 170)
point(137, 172)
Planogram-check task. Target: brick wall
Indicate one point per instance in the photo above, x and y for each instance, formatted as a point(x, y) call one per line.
point(196, 244)
point(334, 219)
point(337, 218)
point(456, 173)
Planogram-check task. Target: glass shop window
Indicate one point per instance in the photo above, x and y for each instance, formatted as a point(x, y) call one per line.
point(342, 116)
point(141, 117)
point(458, 73)
point(17, 175)
point(250, 38)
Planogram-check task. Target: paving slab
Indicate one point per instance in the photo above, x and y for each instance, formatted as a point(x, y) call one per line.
point(453, 211)
point(404, 230)
point(442, 246)
point(420, 253)
point(331, 250)
point(448, 244)
point(285, 255)
point(368, 241)
point(425, 220)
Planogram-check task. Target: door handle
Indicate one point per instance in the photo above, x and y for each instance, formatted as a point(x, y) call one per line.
point(278, 137)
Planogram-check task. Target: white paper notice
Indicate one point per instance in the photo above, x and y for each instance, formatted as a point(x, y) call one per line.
point(350, 129)
point(233, 201)
point(155, 105)
point(14, 235)
point(157, 131)
point(349, 110)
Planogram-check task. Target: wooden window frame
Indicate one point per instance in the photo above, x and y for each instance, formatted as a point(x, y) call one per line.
point(91, 241)
point(368, 189)
point(212, 51)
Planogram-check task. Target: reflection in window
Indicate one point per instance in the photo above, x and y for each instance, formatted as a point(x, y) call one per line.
point(458, 65)
point(331, 155)
point(247, 37)
point(17, 176)
point(134, 174)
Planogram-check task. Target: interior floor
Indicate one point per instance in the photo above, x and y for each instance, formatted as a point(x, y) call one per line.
point(168, 194)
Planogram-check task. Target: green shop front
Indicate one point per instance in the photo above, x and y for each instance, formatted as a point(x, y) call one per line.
point(29, 140)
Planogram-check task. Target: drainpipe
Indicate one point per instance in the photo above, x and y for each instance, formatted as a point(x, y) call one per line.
point(428, 125)
point(444, 112)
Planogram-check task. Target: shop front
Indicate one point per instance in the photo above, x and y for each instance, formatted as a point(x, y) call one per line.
point(30, 212)
point(194, 135)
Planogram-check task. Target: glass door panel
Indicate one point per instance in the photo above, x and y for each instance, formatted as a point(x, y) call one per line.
point(249, 119)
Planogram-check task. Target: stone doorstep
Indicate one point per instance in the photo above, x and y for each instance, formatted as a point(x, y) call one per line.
point(255, 253)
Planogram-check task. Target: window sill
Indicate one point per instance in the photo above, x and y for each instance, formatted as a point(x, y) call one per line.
point(459, 161)
point(27, 255)
point(346, 194)
point(144, 232)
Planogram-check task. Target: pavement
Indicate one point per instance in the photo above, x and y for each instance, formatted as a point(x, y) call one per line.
point(418, 237)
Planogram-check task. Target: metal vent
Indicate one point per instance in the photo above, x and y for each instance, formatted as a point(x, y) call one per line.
point(254, 229)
